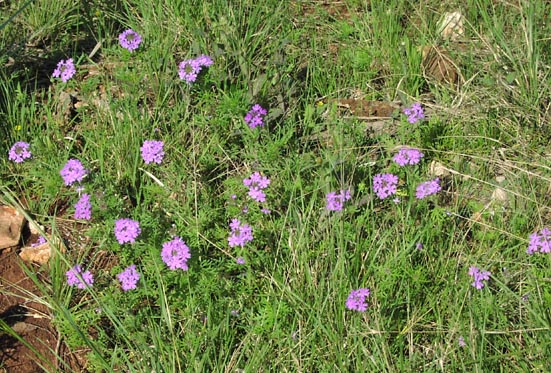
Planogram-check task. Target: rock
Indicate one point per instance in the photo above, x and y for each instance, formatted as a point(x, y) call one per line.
point(11, 223)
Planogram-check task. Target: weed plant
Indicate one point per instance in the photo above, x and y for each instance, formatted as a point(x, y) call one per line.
point(345, 267)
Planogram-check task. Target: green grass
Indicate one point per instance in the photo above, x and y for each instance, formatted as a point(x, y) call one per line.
point(289, 298)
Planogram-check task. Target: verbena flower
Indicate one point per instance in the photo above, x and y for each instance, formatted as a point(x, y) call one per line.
point(175, 254)
point(129, 278)
point(385, 185)
point(255, 116)
point(188, 70)
point(76, 277)
point(540, 242)
point(335, 201)
point(240, 260)
point(127, 230)
point(478, 276)
point(130, 40)
point(414, 113)
point(266, 211)
point(240, 234)
point(408, 156)
point(73, 171)
point(41, 241)
point(256, 183)
point(83, 208)
point(152, 151)
point(428, 188)
point(65, 70)
point(357, 300)
point(19, 152)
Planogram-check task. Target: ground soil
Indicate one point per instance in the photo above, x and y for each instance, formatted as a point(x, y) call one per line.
point(31, 321)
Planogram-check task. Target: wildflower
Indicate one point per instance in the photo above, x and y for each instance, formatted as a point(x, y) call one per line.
point(188, 70)
point(83, 208)
point(461, 341)
point(75, 277)
point(540, 242)
point(19, 152)
point(41, 241)
point(255, 116)
point(240, 234)
point(357, 300)
point(414, 113)
point(478, 276)
point(408, 156)
point(129, 278)
point(130, 40)
point(126, 230)
point(152, 151)
point(256, 183)
point(419, 246)
point(175, 254)
point(385, 185)
point(335, 201)
point(240, 260)
point(65, 70)
point(234, 313)
point(73, 171)
point(266, 211)
point(428, 188)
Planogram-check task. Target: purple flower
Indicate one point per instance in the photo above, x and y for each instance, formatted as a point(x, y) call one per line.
point(126, 230)
point(240, 234)
point(256, 183)
point(41, 241)
point(19, 152)
point(130, 40)
point(188, 70)
point(73, 171)
point(335, 201)
point(408, 156)
point(152, 151)
point(83, 208)
point(129, 278)
point(428, 188)
point(419, 246)
point(266, 211)
point(414, 113)
point(478, 276)
point(461, 341)
point(175, 254)
point(75, 276)
point(255, 117)
point(240, 260)
point(357, 300)
point(385, 185)
point(540, 242)
point(64, 70)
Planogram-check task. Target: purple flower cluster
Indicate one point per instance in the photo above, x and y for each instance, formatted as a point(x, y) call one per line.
point(478, 276)
point(256, 183)
point(129, 278)
point(240, 234)
point(65, 70)
point(127, 230)
point(540, 242)
point(76, 277)
point(152, 151)
point(414, 113)
point(335, 201)
point(83, 208)
point(385, 185)
point(19, 152)
point(408, 156)
point(188, 70)
point(73, 171)
point(130, 40)
point(428, 188)
point(357, 300)
point(255, 116)
point(41, 241)
point(175, 254)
